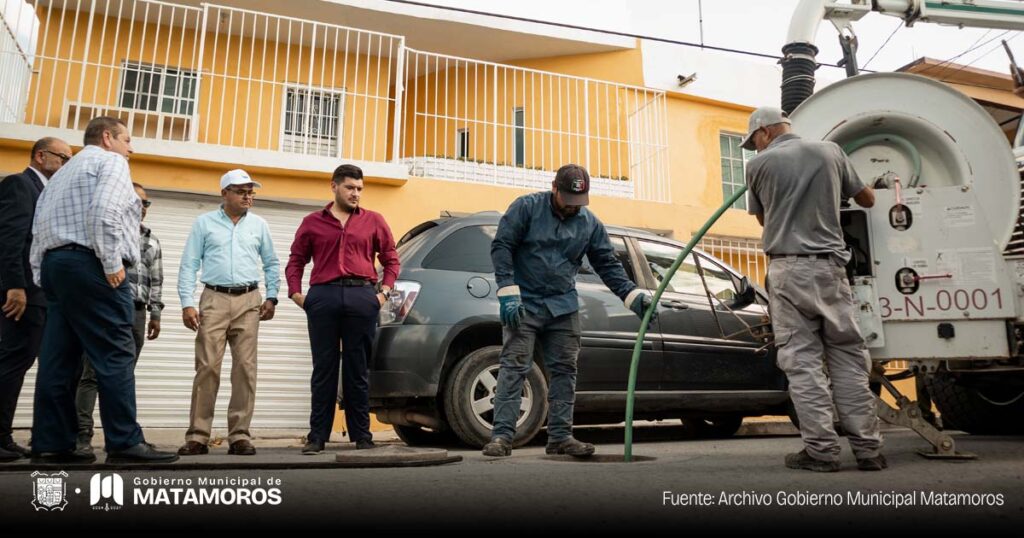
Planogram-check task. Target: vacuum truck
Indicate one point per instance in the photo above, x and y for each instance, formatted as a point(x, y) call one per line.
point(937, 264)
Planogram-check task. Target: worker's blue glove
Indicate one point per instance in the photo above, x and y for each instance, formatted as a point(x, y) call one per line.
point(510, 309)
point(638, 301)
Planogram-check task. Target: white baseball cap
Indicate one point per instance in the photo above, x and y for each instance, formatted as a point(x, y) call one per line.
point(237, 177)
point(763, 117)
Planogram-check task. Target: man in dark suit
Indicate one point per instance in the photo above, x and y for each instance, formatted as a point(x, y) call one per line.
point(24, 305)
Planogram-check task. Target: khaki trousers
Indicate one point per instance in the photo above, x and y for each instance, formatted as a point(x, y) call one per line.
point(813, 315)
point(234, 320)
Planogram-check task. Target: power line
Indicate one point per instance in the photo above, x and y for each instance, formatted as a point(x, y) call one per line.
point(990, 51)
point(886, 42)
point(604, 31)
point(974, 46)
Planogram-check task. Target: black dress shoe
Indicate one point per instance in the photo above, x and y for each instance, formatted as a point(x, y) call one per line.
point(9, 455)
point(15, 447)
point(364, 444)
point(65, 457)
point(141, 453)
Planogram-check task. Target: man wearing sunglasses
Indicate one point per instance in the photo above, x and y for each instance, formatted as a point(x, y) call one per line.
point(24, 305)
point(234, 248)
point(146, 280)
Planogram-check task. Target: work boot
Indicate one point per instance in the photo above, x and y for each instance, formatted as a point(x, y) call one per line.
point(803, 460)
point(498, 448)
point(572, 447)
point(876, 463)
point(242, 447)
point(193, 448)
point(312, 448)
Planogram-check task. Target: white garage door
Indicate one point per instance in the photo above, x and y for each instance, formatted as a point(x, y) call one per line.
point(166, 368)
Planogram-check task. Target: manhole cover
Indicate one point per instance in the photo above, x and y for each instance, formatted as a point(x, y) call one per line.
point(394, 456)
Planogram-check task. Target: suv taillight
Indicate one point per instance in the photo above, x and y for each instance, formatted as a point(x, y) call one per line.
point(399, 303)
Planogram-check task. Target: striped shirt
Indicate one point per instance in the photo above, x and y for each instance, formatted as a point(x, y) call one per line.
point(147, 276)
point(90, 201)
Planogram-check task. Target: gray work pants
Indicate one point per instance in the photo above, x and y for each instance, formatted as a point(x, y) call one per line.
point(812, 311)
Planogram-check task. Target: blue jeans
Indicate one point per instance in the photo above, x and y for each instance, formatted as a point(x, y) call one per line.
point(559, 339)
point(84, 315)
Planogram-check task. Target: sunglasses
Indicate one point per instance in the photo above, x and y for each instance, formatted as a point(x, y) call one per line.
point(244, 194)
point(146, 203)
point(63, 158)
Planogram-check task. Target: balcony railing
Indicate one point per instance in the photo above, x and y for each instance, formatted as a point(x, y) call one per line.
point(237, 78)
point(15, 61)
point(476, 121)
point(216, 75)
point(746, 255)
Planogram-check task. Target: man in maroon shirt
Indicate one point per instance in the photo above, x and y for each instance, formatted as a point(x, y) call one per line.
point(343, 303)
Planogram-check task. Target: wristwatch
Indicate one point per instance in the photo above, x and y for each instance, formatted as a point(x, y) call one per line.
point(273, 300)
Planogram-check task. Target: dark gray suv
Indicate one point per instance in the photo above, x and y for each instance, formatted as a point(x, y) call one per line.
point(435, 364)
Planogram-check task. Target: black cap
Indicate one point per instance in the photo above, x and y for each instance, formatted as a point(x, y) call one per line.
point(573, 181)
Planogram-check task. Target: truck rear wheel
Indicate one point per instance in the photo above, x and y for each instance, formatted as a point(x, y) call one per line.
point(975, 406)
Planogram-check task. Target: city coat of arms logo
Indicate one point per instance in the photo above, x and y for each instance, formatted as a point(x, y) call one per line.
point(50, 491)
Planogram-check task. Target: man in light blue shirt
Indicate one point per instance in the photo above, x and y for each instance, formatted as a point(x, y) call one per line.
point(233, 248)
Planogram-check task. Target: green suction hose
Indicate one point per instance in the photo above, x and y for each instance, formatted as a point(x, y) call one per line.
point(635, 364)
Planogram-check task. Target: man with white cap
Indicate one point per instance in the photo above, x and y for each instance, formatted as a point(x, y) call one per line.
point(233, 247)
point(796, 189)
point(537, 251)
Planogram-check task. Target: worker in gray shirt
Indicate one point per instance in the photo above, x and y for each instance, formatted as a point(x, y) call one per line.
point(796, 188)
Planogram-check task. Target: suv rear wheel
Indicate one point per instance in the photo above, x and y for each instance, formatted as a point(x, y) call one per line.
point(469, 399)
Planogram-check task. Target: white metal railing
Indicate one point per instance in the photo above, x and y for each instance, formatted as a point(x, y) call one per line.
point(133, 59)
point(16, 20)
point(746, 255)
point(477, 121)
point(218, 75)
point(280, 83)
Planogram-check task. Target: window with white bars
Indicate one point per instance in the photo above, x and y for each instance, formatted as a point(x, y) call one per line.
point(734, 164)
point(312, 121)
point(158, 88)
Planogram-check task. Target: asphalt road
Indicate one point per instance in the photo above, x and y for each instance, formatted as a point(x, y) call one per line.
point(682, 486)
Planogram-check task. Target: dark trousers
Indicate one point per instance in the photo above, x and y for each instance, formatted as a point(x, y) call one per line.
point(19, 346)
point(85, 400)
point(345, 318)
point(84, 315)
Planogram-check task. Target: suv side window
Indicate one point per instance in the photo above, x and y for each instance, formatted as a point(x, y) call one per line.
point(686, 279)
point(466, 249)
point(587, 273)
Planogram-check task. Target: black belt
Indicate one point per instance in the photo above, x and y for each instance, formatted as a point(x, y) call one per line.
point(140, 306)
point(817, 256)
point(350, 282)
point(75, 247)
point(233, 290)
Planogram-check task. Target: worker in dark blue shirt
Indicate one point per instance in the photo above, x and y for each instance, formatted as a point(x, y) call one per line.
point(537, 251)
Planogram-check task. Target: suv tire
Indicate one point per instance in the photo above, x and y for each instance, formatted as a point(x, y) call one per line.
point(471, 380)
